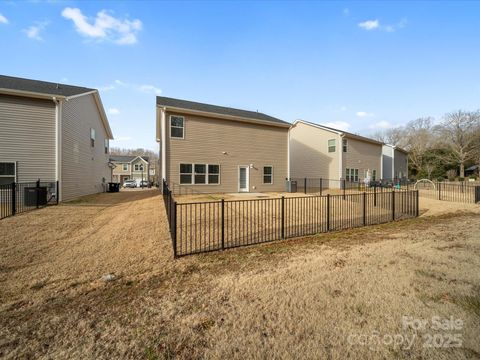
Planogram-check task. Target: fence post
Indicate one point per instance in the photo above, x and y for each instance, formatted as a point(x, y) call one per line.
point(305, 185)
point(393, 204)
point(439, 193)
point(223, 224)
point(417, 210)
point(344, 186)
point(174, 229)
point(37, 192)
point(375, 195)
point(364, 208)
point(321, 185)
point(283, 217)
point(328, 212)
point(58, 191)
point(14, 198)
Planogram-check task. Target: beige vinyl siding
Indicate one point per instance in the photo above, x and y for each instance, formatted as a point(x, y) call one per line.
point(83, 167)
point(400, 164)
point(309, 156)
point(205, 140)
point(118, 170)
point(362, 155)
point(137, 175)
point(27, 136)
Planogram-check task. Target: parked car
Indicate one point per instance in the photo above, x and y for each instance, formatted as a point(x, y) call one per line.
point(144, 183)
point(130, 184)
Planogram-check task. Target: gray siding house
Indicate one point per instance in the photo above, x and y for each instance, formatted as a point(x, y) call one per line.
point(53, 132)
point(214, 149)
point(395, 162)
point(130, 167)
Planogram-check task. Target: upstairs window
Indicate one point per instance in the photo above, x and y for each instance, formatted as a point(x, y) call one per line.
point(8, 172)
point(268, 174)
point(92, 137)
point(106, 146)
point(345, 145)
point(125, 167)
point(331, 145)
point(177, 126)
point(138, 167)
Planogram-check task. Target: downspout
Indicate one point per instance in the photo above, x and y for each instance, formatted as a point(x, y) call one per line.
point(163, 144)
point(393, 163)
point(58, 145)
point(288, 155)
point(381, 165)
point(340, 162)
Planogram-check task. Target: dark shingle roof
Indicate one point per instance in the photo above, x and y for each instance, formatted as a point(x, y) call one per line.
point(42, 87)
point(221, 110)
point(126, 158)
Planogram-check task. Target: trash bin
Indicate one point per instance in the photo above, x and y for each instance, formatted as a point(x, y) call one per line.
point(35, 196)
point(291, 186)
point(113, 187)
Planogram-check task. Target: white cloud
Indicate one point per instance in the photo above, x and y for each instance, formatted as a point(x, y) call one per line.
point(104, 26)
point(150, 89)
point(375, 25)
point(381, 125)
point(339, 125)
point(369, 24)
point(346, 11)
point(3, 19)
point(363, 114)
point(34, 31)
point(113, 111)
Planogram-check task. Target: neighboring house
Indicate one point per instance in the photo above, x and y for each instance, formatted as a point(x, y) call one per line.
point(53, 132)
point(128, 167)
point(214, 149)
point(318, 151)
point(395, 162)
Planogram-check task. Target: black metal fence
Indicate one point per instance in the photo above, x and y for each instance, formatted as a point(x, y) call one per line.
point(321, 186)
point(16, 198)
point(217, 225)
point(460, 192)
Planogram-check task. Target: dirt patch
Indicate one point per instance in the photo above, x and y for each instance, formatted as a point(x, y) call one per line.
point(300, 298)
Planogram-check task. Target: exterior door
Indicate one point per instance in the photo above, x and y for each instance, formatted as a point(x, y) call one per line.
point(243, 183)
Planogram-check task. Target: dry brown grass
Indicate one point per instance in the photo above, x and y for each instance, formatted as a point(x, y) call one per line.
point(291, 299)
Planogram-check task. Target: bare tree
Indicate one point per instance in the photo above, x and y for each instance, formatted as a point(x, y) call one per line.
point(394, 136)
point(418, 139)
point(459, 132)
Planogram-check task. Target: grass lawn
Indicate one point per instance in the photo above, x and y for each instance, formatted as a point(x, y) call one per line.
point(309, 298)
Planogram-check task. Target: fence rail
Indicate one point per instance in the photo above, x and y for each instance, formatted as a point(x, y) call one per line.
point(462, 192)
point(217, 225)
point(16, 198)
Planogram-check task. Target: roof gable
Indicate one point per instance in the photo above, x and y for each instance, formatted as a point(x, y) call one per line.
point(40, 87)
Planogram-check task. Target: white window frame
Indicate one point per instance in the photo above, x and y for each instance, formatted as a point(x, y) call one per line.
point(136, 167)
point(347, 174)
point(107, 146)
point(344, 145)
point(178, 127)
point(271, 175)
point(334, 145)
point(93, 136)
point(125, 166)
point(15, 170)
point(355, 178)
point(374, 175)
point(193, 173)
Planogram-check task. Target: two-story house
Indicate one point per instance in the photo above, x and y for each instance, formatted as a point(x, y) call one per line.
point(53, 132)
point(214, 149)
point(318, 151)
point(130, 167)
point(395, 162)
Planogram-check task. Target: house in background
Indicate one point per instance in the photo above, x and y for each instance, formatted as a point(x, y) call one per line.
point(53, 132)
point(130, 167)
point(395, 162)
point(318, 151)
point(214, 149)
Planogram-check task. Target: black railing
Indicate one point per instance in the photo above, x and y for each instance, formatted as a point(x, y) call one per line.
point(16, 198)
point(461, 192)
point(217, 225)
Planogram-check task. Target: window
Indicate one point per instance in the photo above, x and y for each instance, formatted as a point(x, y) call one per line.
point(347, 174)
point(138, 167)
point(345, 145)
point(106, 146)
point(351, 174)
point(92, 137)
point(186, 174)
point(268, 174)
point(8, 172)
point(199, 174)
point(374, 175)
point(331, 145)
point(125, 167)
point(176, 126)
point(355, 178)
point(214, 174)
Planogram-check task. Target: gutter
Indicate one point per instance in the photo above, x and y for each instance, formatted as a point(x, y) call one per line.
point(58, 144)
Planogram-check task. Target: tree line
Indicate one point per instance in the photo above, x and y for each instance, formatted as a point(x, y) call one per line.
point(438, 150)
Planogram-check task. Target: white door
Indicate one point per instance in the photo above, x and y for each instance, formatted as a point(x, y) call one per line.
point(243, 185)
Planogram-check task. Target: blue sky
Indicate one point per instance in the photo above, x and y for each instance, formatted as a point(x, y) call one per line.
point(360, 66)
